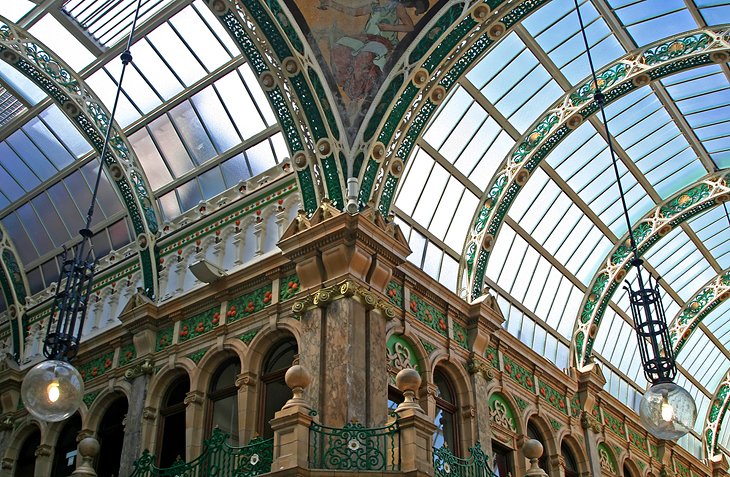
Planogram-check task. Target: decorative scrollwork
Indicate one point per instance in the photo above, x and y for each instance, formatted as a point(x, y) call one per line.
point(446, 464)
point(218, 458)
point(354, 447)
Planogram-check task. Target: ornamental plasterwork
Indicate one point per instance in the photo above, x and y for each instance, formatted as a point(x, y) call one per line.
point(348, 288)
point(399, 359)
point(693, 312)
point(14, 287)
point(637, 69)
point(657, 223)
point(605, 460)
point(500, 415)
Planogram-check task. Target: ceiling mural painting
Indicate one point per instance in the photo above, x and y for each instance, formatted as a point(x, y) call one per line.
point(357, 42)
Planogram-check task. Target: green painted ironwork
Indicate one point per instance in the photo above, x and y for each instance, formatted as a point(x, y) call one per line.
point(218, 459)
point(354, 447)
point(446, 464)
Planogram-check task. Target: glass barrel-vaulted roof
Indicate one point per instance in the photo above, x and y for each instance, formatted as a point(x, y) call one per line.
point(567, 217)
point(191, 108)
point(199, 123)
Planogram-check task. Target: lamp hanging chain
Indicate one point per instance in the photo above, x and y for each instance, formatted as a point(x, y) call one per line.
point(126, 59)
point(655, 346)
point(68, 311)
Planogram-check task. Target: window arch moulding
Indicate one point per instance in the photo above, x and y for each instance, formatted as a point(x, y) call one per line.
point(14, 287)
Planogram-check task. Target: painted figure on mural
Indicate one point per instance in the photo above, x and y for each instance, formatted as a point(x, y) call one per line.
point(358, 61)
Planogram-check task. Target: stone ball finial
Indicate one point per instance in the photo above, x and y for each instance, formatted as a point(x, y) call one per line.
point(408, 380)
point(88, 449)
point(297, 378)
point(532, 448)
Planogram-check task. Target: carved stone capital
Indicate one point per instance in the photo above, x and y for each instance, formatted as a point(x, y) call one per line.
point(7, 423)
point(149, 413)
point(589, 422)
point(246, 379)
point(194, 397)
point(474, 366)
point(43, 450)
point(145, 367)
point(7, 463)
point(345, 289)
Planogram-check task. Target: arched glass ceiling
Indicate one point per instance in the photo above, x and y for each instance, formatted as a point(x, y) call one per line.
point(193, 112)
point(567, 217)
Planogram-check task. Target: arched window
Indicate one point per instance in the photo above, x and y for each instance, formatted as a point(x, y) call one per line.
point(627, 471)
point(446, 406)
point(502, 460)
point(25, 465)
point(569, 462)
point(171, 432)
point(111, 438)
point(274, 391)
point(534, 433)
point(64, 461)
point(223, 400)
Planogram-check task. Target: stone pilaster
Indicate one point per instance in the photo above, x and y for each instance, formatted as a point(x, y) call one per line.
point(344, 263)
point(590, 388)
point(132, 443)
point(484, 319)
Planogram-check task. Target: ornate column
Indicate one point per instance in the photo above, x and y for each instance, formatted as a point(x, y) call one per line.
point(139, 318)
point(590, 388)
point(344, 263)
point(139, 378)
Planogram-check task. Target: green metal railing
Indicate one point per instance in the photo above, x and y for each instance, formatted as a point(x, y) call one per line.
point(354, 447)
point(218, 459)
point(446, 464)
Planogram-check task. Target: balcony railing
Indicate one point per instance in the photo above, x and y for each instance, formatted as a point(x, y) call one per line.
point(354, 447)
point(446, 464)
point(218, 459)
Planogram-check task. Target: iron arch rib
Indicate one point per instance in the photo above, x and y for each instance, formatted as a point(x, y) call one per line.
point(699, 197)
point(707, 299)
point(82, 106)
point(636, 69)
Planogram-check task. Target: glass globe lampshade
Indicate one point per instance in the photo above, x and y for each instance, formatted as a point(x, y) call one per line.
point(668, 411)
point(52, 390)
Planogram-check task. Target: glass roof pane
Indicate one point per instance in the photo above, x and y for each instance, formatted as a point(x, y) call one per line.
point(718, 322)
point(713, 229)
point(15, 10)
point(243, 108)
point(177, 54)
point(193, 133)
point(64, 131)
point(20, 84)
point(196, 33)
point(649, 21)
point(217, 120)
point(51, 33)
point(110, 22)
point(10, 106)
